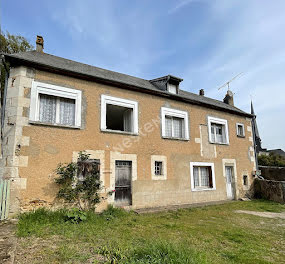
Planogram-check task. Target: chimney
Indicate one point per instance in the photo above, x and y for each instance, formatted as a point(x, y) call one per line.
point(39, 44)
point(229, 98)
point(202, 92)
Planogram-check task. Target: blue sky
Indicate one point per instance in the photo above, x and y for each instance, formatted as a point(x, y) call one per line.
point(205, 42)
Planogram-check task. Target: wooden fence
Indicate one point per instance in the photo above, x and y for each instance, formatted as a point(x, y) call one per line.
point(4, 199)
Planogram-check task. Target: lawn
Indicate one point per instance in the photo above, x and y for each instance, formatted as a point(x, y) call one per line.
point(210, 234)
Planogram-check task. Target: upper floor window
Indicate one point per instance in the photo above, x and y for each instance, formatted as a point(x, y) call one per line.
point(240, 130)
point(174, 123)
point(172, 88)
point(119, 114)
point(55, 105)
point(218, 130)
point(202, 176)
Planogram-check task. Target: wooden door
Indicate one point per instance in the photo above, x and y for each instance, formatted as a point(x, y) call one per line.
point(123, 183)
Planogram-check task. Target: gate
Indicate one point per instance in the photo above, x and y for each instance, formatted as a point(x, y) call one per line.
point(4, 198)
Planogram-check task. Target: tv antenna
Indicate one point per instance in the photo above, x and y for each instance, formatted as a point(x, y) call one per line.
point(228, 83)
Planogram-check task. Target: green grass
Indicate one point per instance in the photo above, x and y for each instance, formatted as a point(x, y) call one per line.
point(211, 234)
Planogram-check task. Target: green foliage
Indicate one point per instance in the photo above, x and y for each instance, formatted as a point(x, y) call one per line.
point(271, 160)
point(76, 216)
point(113, 212)
point(79, 182)
point(11, 44)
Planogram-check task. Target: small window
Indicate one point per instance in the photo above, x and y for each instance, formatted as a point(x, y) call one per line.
point(202, 176)
point(55, 105)
point(218, 130)
point(174, 123)
point(158, 168)
point(172, 88)
point(119, 114)
point(240, 130)
point(245, 180)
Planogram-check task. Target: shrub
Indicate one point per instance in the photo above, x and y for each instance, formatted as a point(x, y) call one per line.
point(75, 216)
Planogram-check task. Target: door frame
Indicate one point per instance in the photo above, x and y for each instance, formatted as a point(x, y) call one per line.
point(114, 156)
point(232, 163)
point(131, 185)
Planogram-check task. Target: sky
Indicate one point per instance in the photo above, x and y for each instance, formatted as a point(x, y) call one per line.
point(205, 42)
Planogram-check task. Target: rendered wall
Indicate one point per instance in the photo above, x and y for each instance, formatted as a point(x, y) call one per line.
point(36, 149)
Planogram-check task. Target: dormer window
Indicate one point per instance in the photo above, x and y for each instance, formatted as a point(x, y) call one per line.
point(172, 88)
point(168, 83)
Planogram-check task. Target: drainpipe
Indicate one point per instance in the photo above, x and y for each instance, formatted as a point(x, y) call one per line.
point(254, 142)
point(2, 62)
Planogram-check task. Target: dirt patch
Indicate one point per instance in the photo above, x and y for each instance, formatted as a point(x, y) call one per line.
point(263, 214)
point(7, 242)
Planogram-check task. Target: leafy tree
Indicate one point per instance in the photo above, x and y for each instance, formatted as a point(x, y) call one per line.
point(271, 160)
point(11, 44)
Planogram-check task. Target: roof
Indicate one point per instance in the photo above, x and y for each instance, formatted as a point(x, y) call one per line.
point(58, 64)
point(277, 151)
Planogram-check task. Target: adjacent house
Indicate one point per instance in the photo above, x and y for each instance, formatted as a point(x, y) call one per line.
point(157, 145)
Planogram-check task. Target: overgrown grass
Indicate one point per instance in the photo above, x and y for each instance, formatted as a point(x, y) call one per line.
point(212, 234)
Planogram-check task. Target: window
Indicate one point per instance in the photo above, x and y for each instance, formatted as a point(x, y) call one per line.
point(158, 167)
point(55, 105)
point(174, 123)
point(202, 176)
point(172, 88)
point(218, 130)
point(119, 114)
point(245, 180)
point(240, 130)
point(85, 167)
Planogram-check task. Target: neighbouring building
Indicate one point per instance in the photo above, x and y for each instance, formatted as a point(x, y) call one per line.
point(170, 147)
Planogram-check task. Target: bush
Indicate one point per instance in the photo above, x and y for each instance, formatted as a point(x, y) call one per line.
point(75, 216)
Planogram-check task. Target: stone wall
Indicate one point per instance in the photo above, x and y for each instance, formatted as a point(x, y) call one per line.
point(272, 173)
point(270, 190)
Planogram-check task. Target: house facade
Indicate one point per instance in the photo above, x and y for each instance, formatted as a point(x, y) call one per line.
point(157, 145)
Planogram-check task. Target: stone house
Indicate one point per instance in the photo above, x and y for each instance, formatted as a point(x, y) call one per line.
point(157, 145)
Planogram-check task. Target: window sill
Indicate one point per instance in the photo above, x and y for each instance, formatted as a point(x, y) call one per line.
point(174, 138)
point(158, 177)
point(203, 189)
point(223, 144)
point(119, 132)
point(52, 125)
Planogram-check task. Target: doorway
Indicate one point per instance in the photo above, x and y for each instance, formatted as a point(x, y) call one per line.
point(230, 182)
point(123, 183)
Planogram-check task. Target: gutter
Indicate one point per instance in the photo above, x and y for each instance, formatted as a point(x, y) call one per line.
point(71, 73)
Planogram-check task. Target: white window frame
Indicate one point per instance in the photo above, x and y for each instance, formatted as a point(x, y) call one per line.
point(220, 121)
point(243, 131)
point(106, 99)
point(58, 91)
point(202, 164)
point(165, 111)
point(162, 159)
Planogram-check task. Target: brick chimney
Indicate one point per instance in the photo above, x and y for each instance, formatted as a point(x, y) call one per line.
point(202, 92)
point(229, 98)
point(39, 44)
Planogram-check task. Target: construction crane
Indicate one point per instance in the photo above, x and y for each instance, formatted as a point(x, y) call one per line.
point(228, 83)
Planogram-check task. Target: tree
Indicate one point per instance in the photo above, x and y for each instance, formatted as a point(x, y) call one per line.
point(271, 160)
point(11, 44)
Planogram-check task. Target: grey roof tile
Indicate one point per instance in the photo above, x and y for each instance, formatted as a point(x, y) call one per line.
point(58, 63)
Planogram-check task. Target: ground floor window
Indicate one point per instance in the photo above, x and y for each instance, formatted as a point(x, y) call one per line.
point(202, 176)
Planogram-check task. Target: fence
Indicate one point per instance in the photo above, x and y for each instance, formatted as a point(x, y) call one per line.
point(272, 173)
point(4, 199)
